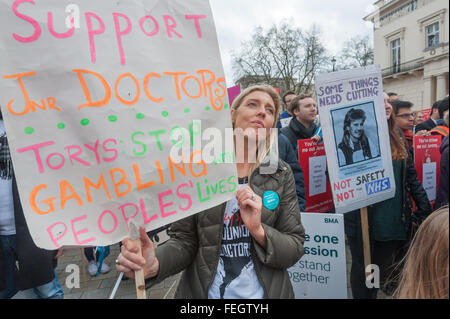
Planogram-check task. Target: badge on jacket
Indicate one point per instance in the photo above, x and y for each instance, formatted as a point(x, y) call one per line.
point(271, 200)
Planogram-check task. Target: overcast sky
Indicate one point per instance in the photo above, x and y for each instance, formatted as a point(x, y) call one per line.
point(338, 20)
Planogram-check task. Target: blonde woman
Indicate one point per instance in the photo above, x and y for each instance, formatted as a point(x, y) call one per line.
point(425, 274)
point(242, 248)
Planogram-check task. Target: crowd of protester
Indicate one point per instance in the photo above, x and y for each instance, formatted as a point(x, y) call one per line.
point(408, 242)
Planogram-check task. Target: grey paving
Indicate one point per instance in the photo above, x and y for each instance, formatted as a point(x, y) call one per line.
point(101, 287)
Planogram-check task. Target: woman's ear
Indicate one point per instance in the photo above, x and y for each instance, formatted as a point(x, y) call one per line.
point(233, 115)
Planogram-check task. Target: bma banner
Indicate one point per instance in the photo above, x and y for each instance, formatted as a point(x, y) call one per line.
point(321, 273)
point(356, 137)
point(105, 105)
point(427, 160)
point(313, 161)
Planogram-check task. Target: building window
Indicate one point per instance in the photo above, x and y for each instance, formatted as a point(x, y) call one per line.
point(432, 35)
point(395, 54)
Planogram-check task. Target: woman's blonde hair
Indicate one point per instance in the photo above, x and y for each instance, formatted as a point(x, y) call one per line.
point(270, 138)
point(425, 273)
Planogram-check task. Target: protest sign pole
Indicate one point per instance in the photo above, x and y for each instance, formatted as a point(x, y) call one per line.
point(116, 286)
point(366, 240)
point(138, 274)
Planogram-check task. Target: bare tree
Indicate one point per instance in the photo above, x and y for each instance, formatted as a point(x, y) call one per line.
point(357, 52)
point(282, 56)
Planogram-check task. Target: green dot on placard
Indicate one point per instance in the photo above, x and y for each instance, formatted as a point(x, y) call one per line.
point(140, 116)
point(225, 106)
point(165, 113)
point(84, 122)
point(187, 110)
point(29, 130)
point(61, 126)
point(112, 118)
point(207, 108)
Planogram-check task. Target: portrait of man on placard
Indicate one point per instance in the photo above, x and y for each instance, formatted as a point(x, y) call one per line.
point(356, 134)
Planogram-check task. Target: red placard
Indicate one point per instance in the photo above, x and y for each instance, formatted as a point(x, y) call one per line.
point(312, 158)
point(427, 160)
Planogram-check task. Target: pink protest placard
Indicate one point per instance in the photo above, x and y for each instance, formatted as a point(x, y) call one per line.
point(233, 92)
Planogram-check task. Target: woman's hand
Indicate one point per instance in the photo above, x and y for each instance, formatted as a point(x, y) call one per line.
point(60, 252)
point(250, 206)
point(423, 133)
point(316, 138)
point(129, 259)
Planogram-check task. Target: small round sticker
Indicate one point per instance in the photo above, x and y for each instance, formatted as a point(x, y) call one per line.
point(271, 200)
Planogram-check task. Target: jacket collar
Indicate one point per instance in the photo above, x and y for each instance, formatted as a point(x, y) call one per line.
point(300, 130)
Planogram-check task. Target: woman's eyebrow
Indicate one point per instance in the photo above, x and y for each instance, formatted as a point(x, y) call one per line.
point(259, 101)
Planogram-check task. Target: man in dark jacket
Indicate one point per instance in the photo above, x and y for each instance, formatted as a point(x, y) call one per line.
point(442, 127)
point(432, 121)
point(287, 99)
point(287, 154)
point(302, 125)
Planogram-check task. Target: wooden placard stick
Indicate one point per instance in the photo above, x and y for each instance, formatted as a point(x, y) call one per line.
point(138, 274)
point(366, 239)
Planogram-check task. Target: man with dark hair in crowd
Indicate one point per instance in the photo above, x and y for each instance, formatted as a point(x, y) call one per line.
point(302, 126)
point(432, 121)
point(287, 99)
point(404, 119)
point(442, 127)
point(393, 97)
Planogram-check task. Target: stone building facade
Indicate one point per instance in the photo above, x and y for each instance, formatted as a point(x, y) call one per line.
point(411, 43)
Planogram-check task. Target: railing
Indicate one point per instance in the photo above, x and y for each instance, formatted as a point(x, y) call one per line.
point(404, 67)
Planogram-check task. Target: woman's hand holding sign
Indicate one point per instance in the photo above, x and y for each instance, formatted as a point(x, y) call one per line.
point(129, 259)
point(250, 206)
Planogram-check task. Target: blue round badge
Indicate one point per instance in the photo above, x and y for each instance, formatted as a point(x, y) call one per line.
point(271, 200)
